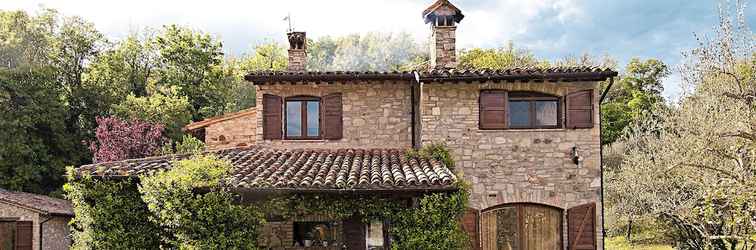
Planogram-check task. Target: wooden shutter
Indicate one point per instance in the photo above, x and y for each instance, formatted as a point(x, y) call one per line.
point(272, 117)
point(332, 117)
point(355, 233)
point(580, 109)
point(493, 104)
point(24, 235)
point(581, 224)
point(470, 225)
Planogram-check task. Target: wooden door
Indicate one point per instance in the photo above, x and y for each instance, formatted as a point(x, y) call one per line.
point(24, 235)
point(521, 227)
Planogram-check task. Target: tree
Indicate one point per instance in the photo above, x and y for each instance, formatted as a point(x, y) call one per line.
point(633, 97)
point(696, 166)
point(34, 147)
point(372, 51)
point(162, 106)
point(191, 61)
point(119, 139)
point(498, 58)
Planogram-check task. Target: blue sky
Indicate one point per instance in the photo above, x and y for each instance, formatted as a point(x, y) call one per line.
point(552, 29)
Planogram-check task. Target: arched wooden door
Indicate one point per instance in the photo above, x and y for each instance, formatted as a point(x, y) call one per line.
point(521, 226)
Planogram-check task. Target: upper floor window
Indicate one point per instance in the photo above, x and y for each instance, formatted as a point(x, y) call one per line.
point(533, 110)
point(523, 110)
point(302, 118)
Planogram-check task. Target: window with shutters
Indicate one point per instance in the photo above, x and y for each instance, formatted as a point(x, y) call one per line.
point(519, 110)
point(302, 117)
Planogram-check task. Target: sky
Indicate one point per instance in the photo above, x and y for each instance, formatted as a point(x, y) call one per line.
point(551, 29)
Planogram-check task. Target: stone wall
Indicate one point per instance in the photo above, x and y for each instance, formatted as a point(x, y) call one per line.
point(507, 166)
point(234, 132)
point(55, 230)
point(55, 234)
point(375, 114)
point(443, 49)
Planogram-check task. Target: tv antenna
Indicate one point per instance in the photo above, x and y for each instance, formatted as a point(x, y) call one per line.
point(288, 18)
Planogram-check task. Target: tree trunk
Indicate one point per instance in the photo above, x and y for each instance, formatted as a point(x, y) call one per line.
point(629, 229)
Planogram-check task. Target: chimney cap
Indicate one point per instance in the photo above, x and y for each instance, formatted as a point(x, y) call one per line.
point(442, 8)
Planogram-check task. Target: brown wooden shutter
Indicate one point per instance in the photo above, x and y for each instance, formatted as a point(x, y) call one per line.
point(272, 117)
point(24, 235)
point(355, 233)
point(581, 224)
point(470, 225)
point(332, 117)
point(580, 109)
point(493, 104)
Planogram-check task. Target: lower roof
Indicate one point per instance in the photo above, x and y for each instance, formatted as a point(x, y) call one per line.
point(41, 203)
point(260, 168)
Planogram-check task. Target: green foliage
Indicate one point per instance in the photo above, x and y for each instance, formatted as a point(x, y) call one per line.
point(192, 61)
point(633, 97)
point(188, 145)
point(190, 202)
point(34, 145)
point(498, 58)
point(266, 56)
point(371, 51)
point(434, 224)
point(163, 106)
point(110, 214)
point(437, 151)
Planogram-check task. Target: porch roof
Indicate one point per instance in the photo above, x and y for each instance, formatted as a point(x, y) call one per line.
point(311, 170)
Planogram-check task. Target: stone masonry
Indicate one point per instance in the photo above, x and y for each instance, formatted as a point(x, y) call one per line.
point(517, 165)
point(442, 47)
point(55, 232)
point(375, 114)
point(234, 132)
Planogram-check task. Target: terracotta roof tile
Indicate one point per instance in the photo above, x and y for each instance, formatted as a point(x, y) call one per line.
point(579, 73)
point(42, 203)
point(265, 168)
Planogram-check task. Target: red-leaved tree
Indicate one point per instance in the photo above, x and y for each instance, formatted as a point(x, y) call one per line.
point(118, 139)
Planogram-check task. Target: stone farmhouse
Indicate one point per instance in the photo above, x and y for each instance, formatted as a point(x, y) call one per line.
point(32, 221)
point(526, 139)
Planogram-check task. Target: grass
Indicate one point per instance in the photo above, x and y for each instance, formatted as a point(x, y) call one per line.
point(619, 243)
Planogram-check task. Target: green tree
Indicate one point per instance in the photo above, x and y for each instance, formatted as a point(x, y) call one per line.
point(163, 106)
point(498, 58)
point(372, 51)
point(34, 146)
point(633, 97)
point(192, 61)
point(694, 167)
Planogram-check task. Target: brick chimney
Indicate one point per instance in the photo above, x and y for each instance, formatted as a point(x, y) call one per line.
point(443, 18)
point(297, 51)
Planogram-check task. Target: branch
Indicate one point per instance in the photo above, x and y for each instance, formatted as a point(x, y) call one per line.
point(731, 175)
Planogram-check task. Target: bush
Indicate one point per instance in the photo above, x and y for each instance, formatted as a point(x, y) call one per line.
point(434, 224)
point(110, 214)
point(189, 201)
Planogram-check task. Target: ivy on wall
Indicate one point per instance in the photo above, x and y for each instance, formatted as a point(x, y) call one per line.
point(110, 214)
point(188, 207)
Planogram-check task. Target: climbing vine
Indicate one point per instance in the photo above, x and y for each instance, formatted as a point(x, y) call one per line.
point(191, 204)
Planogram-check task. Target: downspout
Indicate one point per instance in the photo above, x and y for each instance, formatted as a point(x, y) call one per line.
point(414, 101)
point(41, 224)
point(601, 165)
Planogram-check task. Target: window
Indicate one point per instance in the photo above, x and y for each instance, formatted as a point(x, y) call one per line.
point(375, 236)
point(518, 110)
point(302, 118)
point(533, 110)
point(316, 234)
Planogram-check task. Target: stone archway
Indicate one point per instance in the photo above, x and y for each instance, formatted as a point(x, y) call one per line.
point(521, 226)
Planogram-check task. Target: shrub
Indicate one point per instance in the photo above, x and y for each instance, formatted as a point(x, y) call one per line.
point(110, 214)
point(190, 202)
